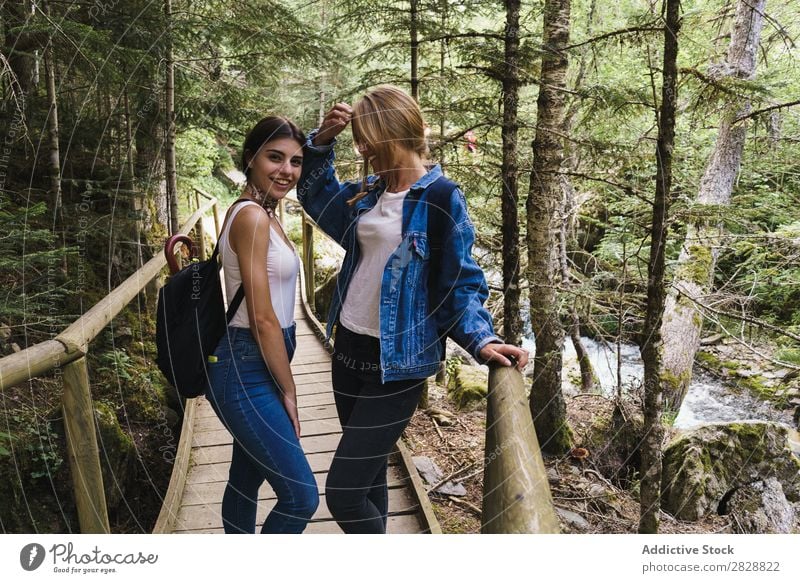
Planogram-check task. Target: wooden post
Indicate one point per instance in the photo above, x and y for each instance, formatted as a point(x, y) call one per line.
point(201, 231)
point(308, 260)
point(281, 209)
point(516, 494)
point(82, 450)
point(216, 219)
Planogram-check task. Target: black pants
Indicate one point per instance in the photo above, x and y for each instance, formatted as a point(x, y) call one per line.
point(373, 416)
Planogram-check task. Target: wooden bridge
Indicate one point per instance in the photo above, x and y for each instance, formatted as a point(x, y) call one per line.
point(516, 493)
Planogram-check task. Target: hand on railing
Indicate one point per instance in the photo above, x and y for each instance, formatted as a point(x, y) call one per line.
point(504, 355)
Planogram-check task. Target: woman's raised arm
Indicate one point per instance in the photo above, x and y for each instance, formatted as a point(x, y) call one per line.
point(323, 197)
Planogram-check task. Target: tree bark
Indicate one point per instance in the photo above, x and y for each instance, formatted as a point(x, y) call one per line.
point(512, 322)
point(149, 168)
point(547, 404)
point(683, 323)
point(650, 491)
point(52, 130)
point(20, 44)
point(588, 376)
point(569, 212)
point(442, 8)
point(169, 150)
point(413, 29)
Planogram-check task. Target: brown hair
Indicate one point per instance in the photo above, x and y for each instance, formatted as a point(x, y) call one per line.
point(269, 128)
point(387, 120)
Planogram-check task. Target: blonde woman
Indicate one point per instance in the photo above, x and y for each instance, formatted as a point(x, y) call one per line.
point(401, 291)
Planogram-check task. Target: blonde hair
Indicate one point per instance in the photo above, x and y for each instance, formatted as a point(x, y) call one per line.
point(388, 121)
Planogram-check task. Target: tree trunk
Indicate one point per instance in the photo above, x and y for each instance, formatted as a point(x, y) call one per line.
point(588, 376)
point(52, 130)
point(442, 56)
point(695, 272)
point(512, 323)
point(413, 29)
point(149, 168)
point(19, 45)
point(169, 150)
point(650, 493)
point(322, 97)
point(543, 208)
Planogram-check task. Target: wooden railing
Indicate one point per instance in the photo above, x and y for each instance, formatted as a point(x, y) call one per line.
point(516, 494)
point(67, 352)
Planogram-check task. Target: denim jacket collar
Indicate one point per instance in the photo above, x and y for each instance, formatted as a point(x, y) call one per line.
point(379, 184)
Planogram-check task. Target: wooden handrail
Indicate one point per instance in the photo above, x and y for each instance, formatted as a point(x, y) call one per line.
point(73, 342)
point(203, 193)
point(516, 495)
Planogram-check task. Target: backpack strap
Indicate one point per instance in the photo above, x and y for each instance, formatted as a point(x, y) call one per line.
point(235, 303)
point(239, 295)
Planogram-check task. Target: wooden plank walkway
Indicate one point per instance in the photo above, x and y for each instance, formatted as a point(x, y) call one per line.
point(207, 474)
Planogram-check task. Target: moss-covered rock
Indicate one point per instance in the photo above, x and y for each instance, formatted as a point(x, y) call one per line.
point(762, 508)
point(468, 385)
point(703, 467)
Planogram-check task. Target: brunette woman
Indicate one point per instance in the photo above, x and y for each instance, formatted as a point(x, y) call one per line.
point(250, 378)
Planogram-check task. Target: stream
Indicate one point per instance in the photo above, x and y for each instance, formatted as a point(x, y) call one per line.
point(709, 400)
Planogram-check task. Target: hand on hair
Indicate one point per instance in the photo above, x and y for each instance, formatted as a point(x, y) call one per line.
point(335, 121)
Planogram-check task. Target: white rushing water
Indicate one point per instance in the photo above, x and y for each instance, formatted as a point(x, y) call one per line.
point(709, 400)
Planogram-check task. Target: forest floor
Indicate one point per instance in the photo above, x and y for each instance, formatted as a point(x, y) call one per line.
point(586, 500)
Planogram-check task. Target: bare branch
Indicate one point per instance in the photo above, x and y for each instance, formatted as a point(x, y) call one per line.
point(766, 109)
point(630, 30)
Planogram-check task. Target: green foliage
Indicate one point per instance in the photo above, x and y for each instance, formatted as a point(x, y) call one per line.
point(197, 153)
point(117, 363)
point(31, 267)
point(791, 355)
point(33, 440)
point(5, 443)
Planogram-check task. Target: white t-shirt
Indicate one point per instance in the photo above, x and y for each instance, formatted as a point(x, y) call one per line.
point(283, 265)
point(379, 234)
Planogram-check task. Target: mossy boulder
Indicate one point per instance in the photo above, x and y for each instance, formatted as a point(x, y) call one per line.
point(469, 385)
point(704, 467)
point(762, 508)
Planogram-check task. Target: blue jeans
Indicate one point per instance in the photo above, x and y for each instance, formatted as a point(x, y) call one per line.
point(248, 401)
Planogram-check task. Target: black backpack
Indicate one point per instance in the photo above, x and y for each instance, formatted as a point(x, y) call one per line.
point(190, 320)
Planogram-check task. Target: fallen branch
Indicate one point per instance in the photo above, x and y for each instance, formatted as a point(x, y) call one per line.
point(472, 507)
point(436, 427)
point(753, 349)
point(448, 478)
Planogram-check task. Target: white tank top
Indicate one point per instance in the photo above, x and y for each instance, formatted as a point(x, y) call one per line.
point(379, 233)
point(283, 265)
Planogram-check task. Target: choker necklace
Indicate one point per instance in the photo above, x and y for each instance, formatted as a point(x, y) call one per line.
point(268, 203)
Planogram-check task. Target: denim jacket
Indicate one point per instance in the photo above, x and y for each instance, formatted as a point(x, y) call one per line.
point(413, 319)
